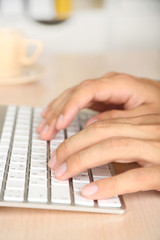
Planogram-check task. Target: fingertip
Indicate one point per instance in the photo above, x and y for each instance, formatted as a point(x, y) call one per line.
point(48, 133)
point(89, 190)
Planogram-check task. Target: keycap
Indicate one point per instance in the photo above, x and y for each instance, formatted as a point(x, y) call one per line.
point(17, 166)
point(3, 157)
point(38, 155)
point(101, 172)
point(77, 186)
point(60, 194)
point(36, 150)
point(14, 195)
point(20, 152)
point(37, 181)
point(38, 165)
point(42, 173)
point(18, 158)
point(55, 181)
point(79, 200)
point(16, 174)
point(14, 184)
point(2, 165)
point(37, 194)
point(111, 202)
point(81, 178)
point(1, 173)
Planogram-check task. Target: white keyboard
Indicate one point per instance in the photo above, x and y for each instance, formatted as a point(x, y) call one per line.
point(26, 180)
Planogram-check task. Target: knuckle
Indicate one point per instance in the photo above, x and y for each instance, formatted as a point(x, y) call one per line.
point(109, 74)
point(124, 76)
point(118, 143)
point(86, 83)
point(76, 160)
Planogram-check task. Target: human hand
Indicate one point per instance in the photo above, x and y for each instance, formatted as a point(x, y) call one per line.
point(111, 95)
point(122, 140)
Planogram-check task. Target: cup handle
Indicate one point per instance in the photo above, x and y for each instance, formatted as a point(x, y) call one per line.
point(38, 50)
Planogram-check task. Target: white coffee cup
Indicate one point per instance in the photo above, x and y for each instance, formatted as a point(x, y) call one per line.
point(13, 52)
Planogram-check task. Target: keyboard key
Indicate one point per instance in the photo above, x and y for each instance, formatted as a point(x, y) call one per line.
point(60, 194)
point(18, 159)
point(38, 155)
point(36, 150)
point(37, 181)
point(81, 178)
point(14, 195)
point(2, 165)
point(38, 165)
point(17, 167)
point(37, 194)
point(79, 200)
point(111, 202)
point(20, 152)
point(77, 186)
point(3, 157)
point(101, 172)
point(14, 184)
point(1, 173)
point(42, 173)
point(16, 174)
point(55, 181)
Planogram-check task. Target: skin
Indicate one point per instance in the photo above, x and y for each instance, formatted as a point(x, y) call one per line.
point(121, 136)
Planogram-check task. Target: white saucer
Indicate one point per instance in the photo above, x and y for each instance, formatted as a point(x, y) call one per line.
point(28, 75)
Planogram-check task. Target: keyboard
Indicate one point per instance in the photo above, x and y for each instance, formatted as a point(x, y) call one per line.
point(25, 179)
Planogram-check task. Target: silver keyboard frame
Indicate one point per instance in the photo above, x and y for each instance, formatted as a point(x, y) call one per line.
point(49, 204)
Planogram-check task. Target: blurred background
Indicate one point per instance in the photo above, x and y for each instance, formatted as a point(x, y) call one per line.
point(92, 26)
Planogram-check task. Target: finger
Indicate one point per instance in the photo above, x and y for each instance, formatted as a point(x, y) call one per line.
point(113, 114)
point(43, 113)
point(103, 130)
point(41, 126)
point(123, 150)
point(141, 179)
point(46, 128)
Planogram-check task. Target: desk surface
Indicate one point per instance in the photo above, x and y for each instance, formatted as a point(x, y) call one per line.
point(142, 218)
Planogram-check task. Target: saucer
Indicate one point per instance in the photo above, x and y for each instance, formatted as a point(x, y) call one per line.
point(28, 75)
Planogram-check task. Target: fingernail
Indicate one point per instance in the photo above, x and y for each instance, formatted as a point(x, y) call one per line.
point(45, 130)
point(59, 121)
point(53, 161)
point(59, 171)
point(90, 189)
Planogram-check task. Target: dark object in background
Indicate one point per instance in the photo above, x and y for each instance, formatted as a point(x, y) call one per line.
point(49, 11)
point(44, 11)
